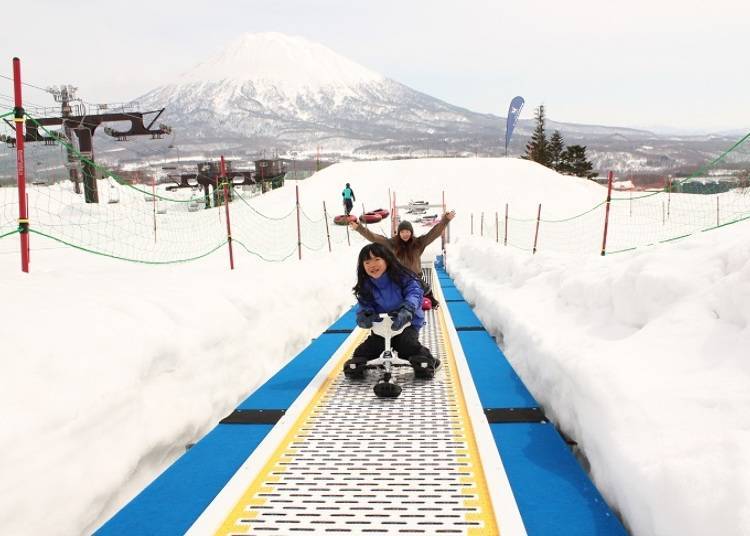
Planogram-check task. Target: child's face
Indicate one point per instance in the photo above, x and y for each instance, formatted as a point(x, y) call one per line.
point(405, 234)
point(375, 266)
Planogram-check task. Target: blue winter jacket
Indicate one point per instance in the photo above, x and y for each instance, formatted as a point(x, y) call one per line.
point(389, 296)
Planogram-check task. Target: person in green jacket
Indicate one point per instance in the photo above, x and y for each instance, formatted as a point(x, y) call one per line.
point(407, 247)
point(349, 199)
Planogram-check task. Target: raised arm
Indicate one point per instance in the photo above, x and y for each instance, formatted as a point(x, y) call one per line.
point(437, 230)
point(369, 235)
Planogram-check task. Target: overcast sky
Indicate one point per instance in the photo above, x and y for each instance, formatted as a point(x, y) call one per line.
point(654, 64)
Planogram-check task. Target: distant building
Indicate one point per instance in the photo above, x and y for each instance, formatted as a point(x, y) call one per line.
point(270, 173)
point(266, 169)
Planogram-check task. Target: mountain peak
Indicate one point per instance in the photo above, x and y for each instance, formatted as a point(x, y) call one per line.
point(289, 62)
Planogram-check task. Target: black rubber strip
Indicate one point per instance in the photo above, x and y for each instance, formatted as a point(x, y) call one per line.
point(254, 416)
point(505, 415)
point(329, 331)
point(470, 328)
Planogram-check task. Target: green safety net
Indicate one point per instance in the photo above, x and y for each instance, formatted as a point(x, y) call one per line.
point(714, 196)
point(141, 220)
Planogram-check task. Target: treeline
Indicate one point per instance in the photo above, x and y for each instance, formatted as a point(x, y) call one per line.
point(553, 153)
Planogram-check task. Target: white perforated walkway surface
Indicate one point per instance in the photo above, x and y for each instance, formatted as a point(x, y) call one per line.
point(342, 461)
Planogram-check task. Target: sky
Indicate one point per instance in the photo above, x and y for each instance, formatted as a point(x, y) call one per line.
point(671, 65)
point(642, 363)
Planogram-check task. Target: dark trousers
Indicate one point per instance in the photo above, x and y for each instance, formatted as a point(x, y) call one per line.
point(406, 344)
point(348, 205)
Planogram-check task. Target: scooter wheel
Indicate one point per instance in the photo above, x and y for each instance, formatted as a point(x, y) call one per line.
point(387, 390)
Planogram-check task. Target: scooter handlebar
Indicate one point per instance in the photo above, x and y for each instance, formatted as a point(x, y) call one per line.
point(383, 326)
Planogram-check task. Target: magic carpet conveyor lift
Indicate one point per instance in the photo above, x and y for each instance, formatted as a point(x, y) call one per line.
point(312, 452)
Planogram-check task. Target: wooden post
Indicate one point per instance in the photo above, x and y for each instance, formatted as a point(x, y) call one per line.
point(23, 209)
point(536, 233)
point(299, 231)
point(328, 233)
point(394, 215)
point(606, 212)
point(481, 224)
point(669, 197)
point(497, 228)
point(472, 224)
point(505, 238)
point(443, 234)
point(153, 196)
point(222, 172)
point(717, 211)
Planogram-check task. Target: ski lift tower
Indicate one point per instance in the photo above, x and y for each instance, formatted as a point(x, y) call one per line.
point(65, 95)
point(83, 124)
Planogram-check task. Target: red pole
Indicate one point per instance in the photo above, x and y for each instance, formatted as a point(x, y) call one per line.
point(29, 215)
point(23, 209)
point(328, 234)
point(606, 211)
point(222, 172)
point(536, 233)
point(505, 238)
point(299, 232)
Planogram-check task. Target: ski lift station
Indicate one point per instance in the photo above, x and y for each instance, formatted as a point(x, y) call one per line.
point(312, 451)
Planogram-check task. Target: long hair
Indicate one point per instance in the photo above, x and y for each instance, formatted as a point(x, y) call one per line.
point(396, 271)
point(404, 249)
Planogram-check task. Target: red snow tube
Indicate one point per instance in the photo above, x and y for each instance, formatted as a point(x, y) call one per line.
point(383, 212)
point(370, 217)
point(343, 219)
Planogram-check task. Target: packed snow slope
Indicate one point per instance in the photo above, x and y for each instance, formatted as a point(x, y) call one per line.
point(110, 369)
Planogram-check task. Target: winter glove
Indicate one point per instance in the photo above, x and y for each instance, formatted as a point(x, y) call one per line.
point(403, 316)
point(365, 318)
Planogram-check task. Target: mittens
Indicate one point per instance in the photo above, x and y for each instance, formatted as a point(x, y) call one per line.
point(365, 318)
point(403, 316)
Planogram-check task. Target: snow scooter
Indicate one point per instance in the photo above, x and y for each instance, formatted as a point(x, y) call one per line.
point(386, 387)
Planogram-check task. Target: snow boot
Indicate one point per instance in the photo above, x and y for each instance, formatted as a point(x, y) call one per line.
point(354, 370)
point(424, 367)
point(429, 295)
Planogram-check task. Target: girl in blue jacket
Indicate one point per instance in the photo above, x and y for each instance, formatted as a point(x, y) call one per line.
point(385, 286)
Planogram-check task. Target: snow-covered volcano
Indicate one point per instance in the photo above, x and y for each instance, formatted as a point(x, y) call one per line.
point(271, 87)
point(271, 91)
point(293, 65)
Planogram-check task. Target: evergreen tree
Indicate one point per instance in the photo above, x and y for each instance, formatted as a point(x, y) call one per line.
point(536, 148)
point(555, 150)
point(575, 162)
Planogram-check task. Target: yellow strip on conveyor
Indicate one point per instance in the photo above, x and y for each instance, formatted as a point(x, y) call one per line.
point(348, 462)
